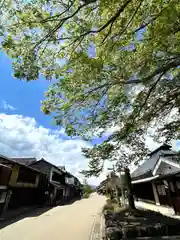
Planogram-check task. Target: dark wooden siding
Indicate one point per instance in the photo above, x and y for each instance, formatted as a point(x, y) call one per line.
point(27, 175)
point(23, 197)
point(144, 191)
point(42, 166)
point(4, 175)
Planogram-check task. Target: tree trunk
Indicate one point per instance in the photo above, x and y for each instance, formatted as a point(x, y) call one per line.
point(129, 189)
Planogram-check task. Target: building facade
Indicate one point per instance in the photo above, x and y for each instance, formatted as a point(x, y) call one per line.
point(157, 180)
point(24, 185)
point(63, 186)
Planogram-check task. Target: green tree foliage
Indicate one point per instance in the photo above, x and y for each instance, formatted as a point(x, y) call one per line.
point(118, 153)
point(112, 63)
point(87, 189)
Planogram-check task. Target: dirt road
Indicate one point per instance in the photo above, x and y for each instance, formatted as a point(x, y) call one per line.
point(69, 222)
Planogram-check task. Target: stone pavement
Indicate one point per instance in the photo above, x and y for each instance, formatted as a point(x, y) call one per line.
point(97, 232)
point(78, 221)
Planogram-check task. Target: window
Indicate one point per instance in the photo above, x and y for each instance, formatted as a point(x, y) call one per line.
point(2, 197)
point(56, 177)
point(172, 187)
point(178, 184)
point(161, 190)
point(59, 194)
point(26, 176)
point(70, 180)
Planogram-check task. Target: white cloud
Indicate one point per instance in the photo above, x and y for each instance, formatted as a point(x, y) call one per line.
point(7, 106)
point(21, 136)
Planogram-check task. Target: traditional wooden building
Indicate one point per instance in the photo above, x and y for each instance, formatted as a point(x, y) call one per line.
point(102, 188)
point(5, 173)
point(74, 186)
point(157, 179)
point(63, 185)
point(110, 185)
point(22, 185)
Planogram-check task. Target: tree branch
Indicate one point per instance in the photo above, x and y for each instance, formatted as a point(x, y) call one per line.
point(149, 22)
point(132, 17)
point(59, 25)
point(148, 95)
point(113, 19)
point(62, 21)
point(109, 32)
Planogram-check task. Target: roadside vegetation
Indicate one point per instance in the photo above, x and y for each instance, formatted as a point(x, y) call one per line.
point(123, 222)
point(87, 190)
point(111, 206)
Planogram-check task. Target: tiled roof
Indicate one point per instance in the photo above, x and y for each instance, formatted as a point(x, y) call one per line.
point(162, 147)
point(58, 168)
point(11, 160)
point(24, 160)
point(147, 174)
point(62, 167)
point(48, 163)
point(4, 166)
point(146, 168)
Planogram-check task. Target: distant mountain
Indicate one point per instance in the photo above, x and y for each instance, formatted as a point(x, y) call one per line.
point(93, 186)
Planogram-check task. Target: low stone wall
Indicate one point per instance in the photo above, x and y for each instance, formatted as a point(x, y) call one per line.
point(140, 223)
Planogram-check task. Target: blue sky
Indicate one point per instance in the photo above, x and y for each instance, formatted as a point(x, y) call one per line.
point(26, 131)
point(24, 96)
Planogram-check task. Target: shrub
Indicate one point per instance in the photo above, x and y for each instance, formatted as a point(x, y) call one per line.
point(86, 195)
point(108, 207)
point(87, 189)
point(111, 205)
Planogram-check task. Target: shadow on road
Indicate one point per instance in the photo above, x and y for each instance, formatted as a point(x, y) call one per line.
point(21, 215)
point(30, 212)
point(69, 202)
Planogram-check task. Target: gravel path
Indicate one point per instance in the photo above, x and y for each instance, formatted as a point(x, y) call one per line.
point(70, 222)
